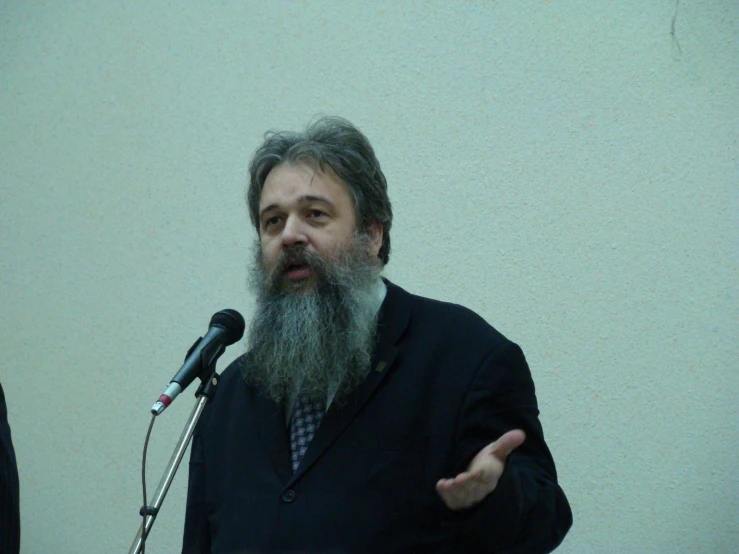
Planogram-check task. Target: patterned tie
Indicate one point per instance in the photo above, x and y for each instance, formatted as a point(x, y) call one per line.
point(307, 416)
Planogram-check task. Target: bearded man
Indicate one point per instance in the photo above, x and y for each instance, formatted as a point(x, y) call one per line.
point(362, 418)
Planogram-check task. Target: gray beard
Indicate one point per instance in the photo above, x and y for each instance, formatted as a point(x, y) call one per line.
point(319, 340)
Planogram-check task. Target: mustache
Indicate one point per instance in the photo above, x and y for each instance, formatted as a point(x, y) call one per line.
point(296, 255)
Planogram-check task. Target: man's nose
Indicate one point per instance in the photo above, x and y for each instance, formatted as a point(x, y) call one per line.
point(293, 233)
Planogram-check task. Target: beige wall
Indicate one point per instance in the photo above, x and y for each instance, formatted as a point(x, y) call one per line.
point(561, 167)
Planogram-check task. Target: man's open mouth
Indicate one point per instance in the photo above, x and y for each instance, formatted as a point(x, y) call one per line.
point(297, 271)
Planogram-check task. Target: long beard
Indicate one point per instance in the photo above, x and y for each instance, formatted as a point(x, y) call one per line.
point(317, 340)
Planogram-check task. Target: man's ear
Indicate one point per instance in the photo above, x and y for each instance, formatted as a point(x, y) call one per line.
point(376, 234)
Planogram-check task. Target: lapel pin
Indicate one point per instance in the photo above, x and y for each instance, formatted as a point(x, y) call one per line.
point(380, 367)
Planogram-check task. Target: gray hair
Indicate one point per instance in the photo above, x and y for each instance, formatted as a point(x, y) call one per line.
point(335, 143)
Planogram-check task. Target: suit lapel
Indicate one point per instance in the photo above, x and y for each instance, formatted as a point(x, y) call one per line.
point(272, 429)
point(392, 322)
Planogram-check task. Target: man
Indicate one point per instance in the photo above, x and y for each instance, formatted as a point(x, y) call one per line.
point(362, 419)
point(10, 527)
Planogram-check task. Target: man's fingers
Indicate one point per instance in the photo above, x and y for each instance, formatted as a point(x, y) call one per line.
point(461, 495)
point(460, 479)
point(508, 443)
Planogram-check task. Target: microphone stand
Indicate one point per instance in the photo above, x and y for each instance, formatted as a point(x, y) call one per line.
point(205, 393)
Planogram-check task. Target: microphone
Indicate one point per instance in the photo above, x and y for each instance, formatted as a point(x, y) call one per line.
point(226, 327)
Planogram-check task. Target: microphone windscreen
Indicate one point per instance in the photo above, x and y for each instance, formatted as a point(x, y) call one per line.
point(232, 322)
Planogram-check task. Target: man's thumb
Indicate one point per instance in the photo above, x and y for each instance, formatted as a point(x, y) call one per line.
point(508, 443)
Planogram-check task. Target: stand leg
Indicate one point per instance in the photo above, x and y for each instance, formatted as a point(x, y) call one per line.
point(169, 473)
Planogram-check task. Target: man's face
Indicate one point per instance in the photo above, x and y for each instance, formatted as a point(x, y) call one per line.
point(302, 209)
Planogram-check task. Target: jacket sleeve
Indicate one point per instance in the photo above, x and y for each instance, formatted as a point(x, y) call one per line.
point(528, 511)
point(10, 527)
point(196, 539)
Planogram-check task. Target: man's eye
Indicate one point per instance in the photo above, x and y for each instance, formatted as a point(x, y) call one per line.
point(317, 213)
point(274, 220)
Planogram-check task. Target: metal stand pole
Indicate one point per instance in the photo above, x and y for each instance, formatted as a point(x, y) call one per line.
point(204, 394)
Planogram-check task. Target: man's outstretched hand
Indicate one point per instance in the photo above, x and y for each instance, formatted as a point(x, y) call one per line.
point(482, 475)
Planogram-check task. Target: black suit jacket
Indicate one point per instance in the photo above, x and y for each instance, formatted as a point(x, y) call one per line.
point(10, 523)
point(443, 385)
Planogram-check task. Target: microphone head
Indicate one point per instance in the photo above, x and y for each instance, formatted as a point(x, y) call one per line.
point(232, 322)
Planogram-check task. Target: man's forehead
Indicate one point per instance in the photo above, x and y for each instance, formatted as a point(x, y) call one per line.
point(305, 199)
point(301, 182)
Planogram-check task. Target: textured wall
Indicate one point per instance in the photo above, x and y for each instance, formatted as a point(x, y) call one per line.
point(565, 168)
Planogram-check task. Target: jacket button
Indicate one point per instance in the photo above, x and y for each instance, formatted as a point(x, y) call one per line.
point(288, 496)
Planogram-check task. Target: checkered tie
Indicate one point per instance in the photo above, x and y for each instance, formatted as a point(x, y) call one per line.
point(307, 416)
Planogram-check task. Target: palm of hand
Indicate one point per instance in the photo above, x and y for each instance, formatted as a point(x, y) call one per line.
point(481, 477)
